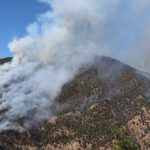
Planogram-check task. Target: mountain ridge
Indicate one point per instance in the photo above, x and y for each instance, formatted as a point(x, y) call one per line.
point(5, 60)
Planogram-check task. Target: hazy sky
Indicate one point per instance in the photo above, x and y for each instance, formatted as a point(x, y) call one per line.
point(15, 15)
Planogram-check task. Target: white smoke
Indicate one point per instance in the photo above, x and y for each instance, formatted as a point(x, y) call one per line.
point(57, 44)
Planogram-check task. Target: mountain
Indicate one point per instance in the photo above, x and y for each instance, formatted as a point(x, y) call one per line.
point(106, 106)
point(5, 60)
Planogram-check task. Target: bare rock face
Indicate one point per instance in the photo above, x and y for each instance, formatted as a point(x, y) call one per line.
point(140, 127)
point(105, 107)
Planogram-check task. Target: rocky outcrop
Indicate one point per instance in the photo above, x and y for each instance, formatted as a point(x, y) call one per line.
point(139, 126)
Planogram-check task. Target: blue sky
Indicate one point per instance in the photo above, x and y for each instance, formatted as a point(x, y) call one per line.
point(15, 15)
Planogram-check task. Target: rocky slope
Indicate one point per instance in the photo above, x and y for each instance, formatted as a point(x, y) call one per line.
point(105, 107)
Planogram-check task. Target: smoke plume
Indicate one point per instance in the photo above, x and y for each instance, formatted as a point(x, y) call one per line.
point(58, 43)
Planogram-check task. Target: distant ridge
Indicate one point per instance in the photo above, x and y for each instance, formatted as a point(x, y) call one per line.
point(5, 60)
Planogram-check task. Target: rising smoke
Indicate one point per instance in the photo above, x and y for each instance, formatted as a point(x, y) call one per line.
point(58, 43)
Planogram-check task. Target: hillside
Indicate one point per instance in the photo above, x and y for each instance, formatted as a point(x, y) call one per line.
point(106, 106)
point(5, 60)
